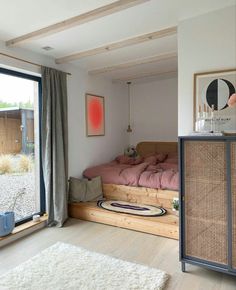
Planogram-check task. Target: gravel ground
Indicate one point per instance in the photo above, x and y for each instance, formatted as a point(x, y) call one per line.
point(10, 185)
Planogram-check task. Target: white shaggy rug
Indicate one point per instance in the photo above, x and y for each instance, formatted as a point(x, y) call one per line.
point(63, 266)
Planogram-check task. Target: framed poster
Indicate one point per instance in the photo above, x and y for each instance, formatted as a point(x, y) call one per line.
point(212, 91)
point(95, 115)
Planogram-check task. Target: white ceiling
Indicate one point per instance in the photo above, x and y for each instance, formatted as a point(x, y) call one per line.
point(24, 16)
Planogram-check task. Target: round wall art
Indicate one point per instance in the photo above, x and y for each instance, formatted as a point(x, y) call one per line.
point(212, 91)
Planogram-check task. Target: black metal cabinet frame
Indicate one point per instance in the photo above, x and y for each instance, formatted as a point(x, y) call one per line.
point(182, 247)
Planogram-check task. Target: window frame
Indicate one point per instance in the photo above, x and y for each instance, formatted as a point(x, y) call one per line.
point(41, 180)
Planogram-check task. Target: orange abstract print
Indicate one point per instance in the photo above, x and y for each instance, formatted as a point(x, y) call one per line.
point(95, 115)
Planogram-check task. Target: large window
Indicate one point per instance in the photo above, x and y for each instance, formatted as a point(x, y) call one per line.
point(21, 186)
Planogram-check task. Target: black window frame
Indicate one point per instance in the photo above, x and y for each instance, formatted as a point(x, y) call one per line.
point(41, 180)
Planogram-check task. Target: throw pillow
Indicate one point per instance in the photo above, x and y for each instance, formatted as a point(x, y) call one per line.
point(84, 189)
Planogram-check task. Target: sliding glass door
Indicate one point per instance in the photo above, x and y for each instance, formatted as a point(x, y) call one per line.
point(21, 186)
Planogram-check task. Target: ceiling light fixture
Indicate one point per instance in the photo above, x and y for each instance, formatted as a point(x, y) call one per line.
point(47, 48)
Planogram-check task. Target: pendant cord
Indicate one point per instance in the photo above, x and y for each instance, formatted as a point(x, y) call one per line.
point(129, 107)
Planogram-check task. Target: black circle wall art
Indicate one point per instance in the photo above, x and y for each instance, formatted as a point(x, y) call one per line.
point(218, 93)
point(213, 89)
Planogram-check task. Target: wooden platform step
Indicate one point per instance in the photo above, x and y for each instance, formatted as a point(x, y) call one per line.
point(142, 195)
point(166, 225)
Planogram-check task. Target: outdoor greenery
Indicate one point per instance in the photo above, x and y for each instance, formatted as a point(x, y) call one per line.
point(16, 164)
point(5, 164)
point(25, 163)
point(26, 105)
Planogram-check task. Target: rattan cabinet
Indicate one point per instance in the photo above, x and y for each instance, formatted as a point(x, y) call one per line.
point(208, 202)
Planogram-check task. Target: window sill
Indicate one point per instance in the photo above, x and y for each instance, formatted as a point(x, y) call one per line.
point(26, 227)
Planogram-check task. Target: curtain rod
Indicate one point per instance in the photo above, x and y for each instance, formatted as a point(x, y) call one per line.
point(26, 61)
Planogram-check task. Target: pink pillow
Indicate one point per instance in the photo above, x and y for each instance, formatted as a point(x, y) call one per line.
point(161, 156)
point(137, 160)
point(123, 159)
point(172, 158)
point(156, 158)
point(151, 160)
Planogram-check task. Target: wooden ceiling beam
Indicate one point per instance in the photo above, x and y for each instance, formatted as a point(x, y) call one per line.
point(144, 75)
point(120, 44)
point(140, 61)
point(75, 21)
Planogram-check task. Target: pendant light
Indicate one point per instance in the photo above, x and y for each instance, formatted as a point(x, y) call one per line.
point(129, 130)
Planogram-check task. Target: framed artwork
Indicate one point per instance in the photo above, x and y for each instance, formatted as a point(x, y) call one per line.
point(95, 115)
point(212, 91)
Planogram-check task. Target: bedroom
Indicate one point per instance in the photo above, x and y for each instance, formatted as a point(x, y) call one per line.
point(204, 42)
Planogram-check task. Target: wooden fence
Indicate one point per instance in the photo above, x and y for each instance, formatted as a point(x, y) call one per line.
point(10, 136)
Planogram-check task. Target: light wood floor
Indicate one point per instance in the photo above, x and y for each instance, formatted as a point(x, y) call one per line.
point(157, 252)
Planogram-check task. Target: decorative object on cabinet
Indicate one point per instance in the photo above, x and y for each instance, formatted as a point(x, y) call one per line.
point(212, 109)
point(95, 115)
point(230, 133)
point(208, 202)
point(232, 100)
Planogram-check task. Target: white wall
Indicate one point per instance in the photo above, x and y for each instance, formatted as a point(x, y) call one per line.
point(154, 108)
point(205, 43)
point(83, 151)
point(88, 151)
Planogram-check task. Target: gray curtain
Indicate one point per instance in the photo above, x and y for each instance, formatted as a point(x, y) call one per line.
point(54, 138)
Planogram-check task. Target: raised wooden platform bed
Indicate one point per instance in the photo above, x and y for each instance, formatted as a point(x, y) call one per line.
point(143, 195)
point(166, 226)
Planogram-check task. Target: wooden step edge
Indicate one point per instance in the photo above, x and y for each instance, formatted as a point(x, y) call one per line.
point(168, 218)
point(125, 221)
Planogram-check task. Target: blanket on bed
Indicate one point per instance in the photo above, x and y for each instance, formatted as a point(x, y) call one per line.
point(156, 171)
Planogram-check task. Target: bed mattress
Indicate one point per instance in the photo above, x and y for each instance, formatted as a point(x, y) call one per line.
point(159, 172)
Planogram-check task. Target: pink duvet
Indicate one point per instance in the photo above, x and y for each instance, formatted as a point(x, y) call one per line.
point(162, 175)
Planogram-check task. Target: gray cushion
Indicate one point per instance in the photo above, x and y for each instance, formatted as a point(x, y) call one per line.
point(94, 189)
point(77, 189)
point(84, 189)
